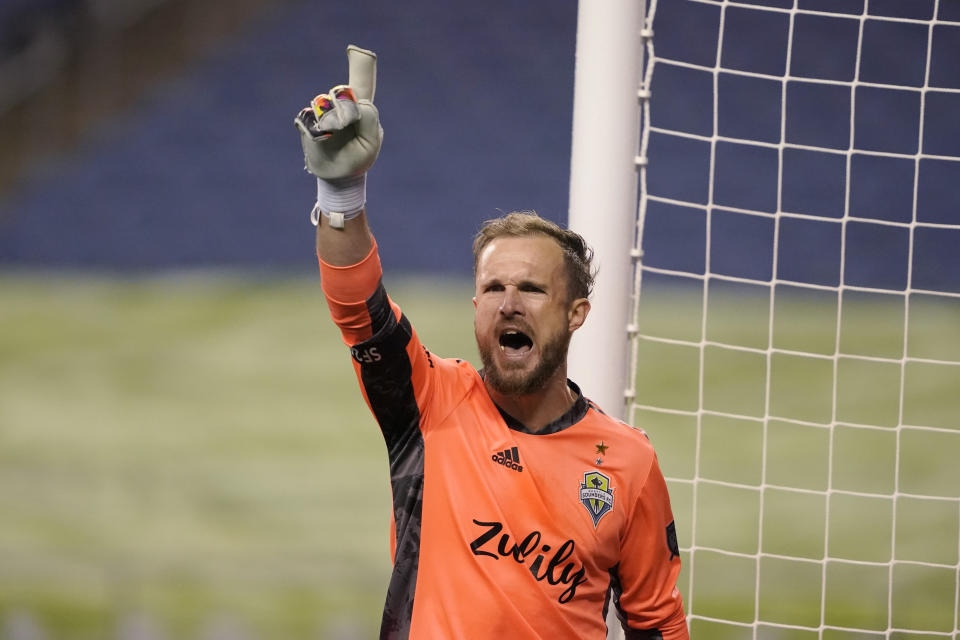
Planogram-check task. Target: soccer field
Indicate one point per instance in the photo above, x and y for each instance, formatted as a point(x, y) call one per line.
point(194, 451)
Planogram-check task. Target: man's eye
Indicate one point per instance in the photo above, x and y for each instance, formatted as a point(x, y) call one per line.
point(492, 288)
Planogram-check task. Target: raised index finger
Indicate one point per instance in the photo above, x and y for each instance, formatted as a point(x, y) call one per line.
point(363, 72)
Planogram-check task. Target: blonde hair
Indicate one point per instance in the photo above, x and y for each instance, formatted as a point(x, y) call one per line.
point(577, 255)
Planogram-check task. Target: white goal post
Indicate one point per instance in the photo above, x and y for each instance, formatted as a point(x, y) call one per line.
point(603, 186)
point(603, 194)
point(772, 188)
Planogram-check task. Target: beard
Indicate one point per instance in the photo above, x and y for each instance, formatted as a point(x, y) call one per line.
point(515, 381)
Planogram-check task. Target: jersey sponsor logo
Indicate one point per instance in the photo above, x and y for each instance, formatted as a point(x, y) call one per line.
point(509, 458)
point(596, 495)
point(555, 569)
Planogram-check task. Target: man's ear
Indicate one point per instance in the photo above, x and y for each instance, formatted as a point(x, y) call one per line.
point(474, 302)
point(577, 314)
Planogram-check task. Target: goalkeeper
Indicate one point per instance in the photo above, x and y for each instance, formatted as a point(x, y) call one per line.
point(520, 510)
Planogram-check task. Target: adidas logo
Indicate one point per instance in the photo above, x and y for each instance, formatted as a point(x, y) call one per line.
point(510, 458)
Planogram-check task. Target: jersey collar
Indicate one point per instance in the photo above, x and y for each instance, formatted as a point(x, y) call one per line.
point(573, 415)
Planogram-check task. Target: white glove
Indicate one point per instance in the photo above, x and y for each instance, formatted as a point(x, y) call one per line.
point(341, 136)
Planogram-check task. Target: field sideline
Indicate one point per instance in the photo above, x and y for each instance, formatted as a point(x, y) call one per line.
point(195, 447)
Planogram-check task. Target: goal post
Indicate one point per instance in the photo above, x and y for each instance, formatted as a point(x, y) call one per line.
point(603, 187)
point(783, 179)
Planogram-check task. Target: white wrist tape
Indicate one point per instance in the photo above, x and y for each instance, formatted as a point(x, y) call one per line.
point(339, 200)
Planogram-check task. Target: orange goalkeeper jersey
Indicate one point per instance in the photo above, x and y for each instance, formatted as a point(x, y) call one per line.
point(500, 532)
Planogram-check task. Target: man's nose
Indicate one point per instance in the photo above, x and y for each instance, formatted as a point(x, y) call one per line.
point(511, 304)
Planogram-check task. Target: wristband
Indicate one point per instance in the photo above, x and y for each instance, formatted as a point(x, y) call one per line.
point(339, 200)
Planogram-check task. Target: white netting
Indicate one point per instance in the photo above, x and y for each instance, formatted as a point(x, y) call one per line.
point(796, 340)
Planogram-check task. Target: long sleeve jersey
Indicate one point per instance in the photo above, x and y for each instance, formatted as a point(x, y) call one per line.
point(500, 532)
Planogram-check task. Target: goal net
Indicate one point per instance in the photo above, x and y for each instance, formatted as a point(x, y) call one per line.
point(795, 343)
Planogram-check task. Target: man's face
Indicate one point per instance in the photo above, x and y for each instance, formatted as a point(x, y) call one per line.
point(523, 320)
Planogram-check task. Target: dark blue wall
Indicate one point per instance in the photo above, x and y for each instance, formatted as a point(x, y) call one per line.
point(476, 104)
point(207, 169)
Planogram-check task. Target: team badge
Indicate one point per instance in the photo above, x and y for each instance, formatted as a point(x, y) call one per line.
point(596, 495)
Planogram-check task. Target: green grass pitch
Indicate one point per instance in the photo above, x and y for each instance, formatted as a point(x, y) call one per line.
point(193, 448)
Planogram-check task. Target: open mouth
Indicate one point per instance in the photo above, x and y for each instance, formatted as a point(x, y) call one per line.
point(515, 343)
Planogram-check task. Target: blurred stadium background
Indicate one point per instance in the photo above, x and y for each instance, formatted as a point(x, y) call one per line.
point(183, 453)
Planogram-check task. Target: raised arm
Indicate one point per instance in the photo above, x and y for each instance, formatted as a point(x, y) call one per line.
point(341, 135)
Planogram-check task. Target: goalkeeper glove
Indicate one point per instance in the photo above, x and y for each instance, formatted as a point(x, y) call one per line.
point(341, 136)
